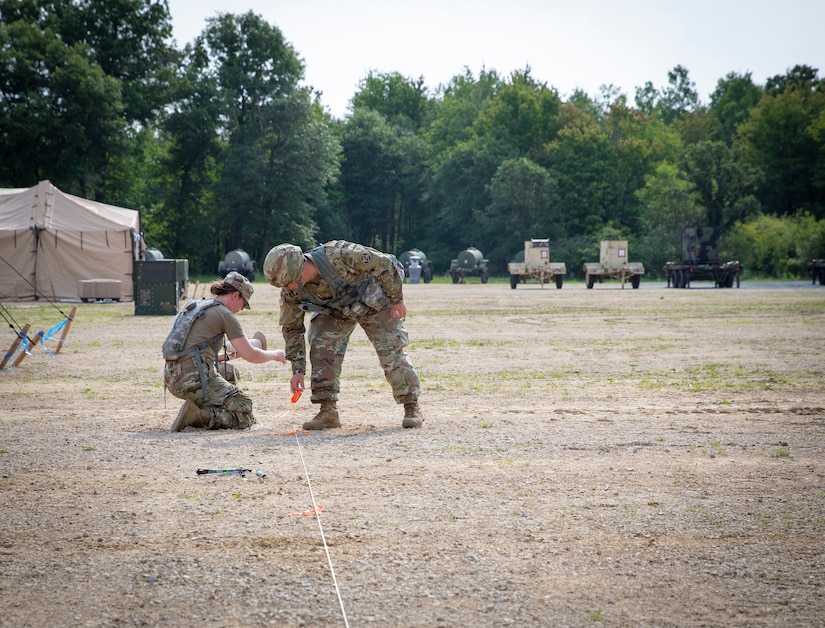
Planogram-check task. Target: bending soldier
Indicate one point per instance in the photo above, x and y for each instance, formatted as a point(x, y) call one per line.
point(342, 284)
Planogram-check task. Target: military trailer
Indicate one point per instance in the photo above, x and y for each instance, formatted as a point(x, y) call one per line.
point(701, 261)
point(416, 255)
point(536, 264)
point(239, 261)
point(469, 263)
point(817, 269)
point(613, 264)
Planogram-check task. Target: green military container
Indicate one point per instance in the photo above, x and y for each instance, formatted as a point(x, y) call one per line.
point(159, 286)
point(426, 265)
point(469, 262)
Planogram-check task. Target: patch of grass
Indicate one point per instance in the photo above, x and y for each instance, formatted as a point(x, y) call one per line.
point(782, 453)
point(89, 448)
point(434, 343)
point(462, 449)
point(762, 519)
point(596, 615)
point(713, 447)
point(718, 377)
point(96, 394)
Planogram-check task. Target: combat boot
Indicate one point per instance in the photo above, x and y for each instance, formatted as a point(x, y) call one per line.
point(326, 418)
point(190, 415)
point(412, 415)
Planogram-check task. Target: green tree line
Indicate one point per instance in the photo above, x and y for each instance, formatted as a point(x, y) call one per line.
point(221, 145)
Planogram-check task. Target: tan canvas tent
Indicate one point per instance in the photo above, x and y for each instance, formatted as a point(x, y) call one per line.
point(49, 241)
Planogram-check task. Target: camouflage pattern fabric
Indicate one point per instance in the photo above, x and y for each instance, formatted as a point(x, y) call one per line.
point(328, 339)
point(283, 264)
point(330, 331)
point(228, 406)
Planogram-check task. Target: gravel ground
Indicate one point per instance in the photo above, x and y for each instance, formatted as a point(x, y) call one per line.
point(589, 457)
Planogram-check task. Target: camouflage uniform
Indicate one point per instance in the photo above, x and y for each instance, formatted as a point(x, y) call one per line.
point(228, 407)
point(330, 329)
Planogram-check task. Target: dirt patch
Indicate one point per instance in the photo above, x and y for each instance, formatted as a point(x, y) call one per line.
point(589, 457)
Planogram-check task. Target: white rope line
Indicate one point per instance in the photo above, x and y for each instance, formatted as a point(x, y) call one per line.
point(320, 527)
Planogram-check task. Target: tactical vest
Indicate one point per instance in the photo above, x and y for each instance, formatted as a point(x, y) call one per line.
point(355, 300)
point(175, 341)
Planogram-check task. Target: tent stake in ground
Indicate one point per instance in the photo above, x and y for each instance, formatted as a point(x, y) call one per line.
point(24, 353)
point(15, 343)
point(68, 324)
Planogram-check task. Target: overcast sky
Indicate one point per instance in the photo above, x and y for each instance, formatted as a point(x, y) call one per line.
point(567, 44)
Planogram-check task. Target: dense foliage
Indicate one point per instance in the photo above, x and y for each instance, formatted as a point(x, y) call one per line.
point(221, 146)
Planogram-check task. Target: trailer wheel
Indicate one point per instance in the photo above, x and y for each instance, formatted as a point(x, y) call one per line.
point(484, 276)
point(634, 281)
point(590, 280)
point(559, 281)
point(513, 281)
point(677, 279)
point(454, 275)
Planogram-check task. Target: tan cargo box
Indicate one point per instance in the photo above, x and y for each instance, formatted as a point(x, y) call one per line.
point(94, 289)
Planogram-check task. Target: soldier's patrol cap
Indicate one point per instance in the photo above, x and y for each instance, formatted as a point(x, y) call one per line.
point(242, 285)
point(283, 265)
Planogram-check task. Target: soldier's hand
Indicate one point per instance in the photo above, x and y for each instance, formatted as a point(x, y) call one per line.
point(297, 382)
point(399, 310)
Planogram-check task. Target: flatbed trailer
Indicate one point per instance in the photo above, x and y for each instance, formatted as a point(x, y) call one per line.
point(723, 275)
point(701, 261)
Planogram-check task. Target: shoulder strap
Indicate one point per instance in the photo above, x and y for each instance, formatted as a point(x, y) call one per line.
point(328, 274)
point(346, 297)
